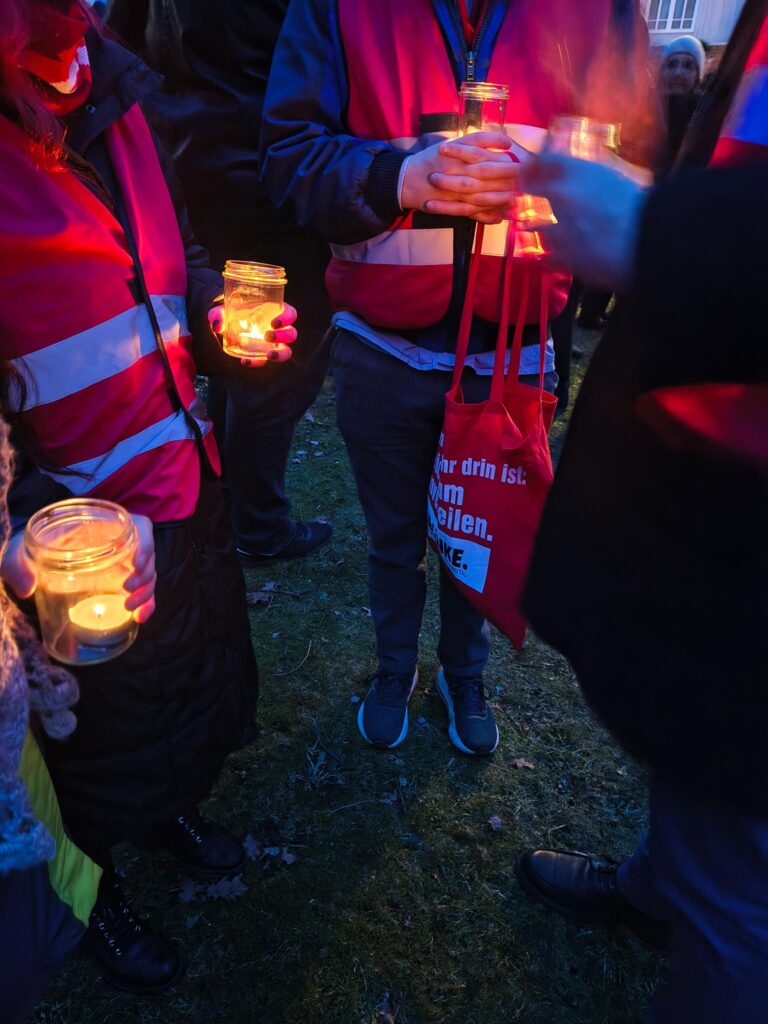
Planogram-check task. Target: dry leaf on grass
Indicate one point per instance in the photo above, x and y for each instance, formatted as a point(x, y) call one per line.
point(264, 595)
point(229, 889)
point(495, 822)
point(189, 890)
point(254, 848)
point(520, 762)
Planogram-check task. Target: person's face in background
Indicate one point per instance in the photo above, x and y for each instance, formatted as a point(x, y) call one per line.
point(679, 75)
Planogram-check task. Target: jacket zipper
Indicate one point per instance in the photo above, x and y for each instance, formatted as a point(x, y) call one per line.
point(470, 53)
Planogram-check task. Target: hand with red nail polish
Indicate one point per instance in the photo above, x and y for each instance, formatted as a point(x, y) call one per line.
point(281, 337)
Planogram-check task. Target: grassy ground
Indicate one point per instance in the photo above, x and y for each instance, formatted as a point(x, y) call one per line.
point(380, 889)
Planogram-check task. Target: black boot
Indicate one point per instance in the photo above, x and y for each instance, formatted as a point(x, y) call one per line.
point(205, 851)
point(586, 888)
point(130, 955)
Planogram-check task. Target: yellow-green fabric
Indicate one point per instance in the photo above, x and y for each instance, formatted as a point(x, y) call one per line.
point(73, 876)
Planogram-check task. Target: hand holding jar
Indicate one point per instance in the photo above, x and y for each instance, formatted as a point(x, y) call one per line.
point(18, 571)
point(598, 207)
point(255, 324)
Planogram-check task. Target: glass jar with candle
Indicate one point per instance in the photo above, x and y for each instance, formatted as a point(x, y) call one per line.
point(583, 138)
point(482, 106)
point(83, 551)
point(573, 136)
point(253, 297)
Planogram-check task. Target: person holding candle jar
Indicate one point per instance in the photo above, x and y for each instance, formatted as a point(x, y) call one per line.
point(215, 60)
point(361, 98)
point(651, 563)
point(105, 315)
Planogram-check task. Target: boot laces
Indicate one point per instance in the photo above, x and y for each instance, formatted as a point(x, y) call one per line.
point(604, 878)
point(116, 923)
point(391, 689)
point(469, 696)
point(192, 827)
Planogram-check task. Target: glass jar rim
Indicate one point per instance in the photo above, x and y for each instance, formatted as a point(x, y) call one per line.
point(66, 513)
point(248, 270)
point(606, 134)
point(484, 91)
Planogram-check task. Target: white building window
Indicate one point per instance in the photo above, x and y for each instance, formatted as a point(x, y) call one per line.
point(671, 15)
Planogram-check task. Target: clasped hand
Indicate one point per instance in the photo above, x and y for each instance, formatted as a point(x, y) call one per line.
point(469, 177)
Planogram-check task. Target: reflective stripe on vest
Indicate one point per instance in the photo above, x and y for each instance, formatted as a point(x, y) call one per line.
point(425, 247)
point(83, 477)
point(101, 352)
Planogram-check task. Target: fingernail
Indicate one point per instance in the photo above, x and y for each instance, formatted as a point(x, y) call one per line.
point(272, 356)
point(277, 323)
point(269, 336)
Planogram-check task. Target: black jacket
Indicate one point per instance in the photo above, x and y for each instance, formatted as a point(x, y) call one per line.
point(215, 59)
point(651, 567)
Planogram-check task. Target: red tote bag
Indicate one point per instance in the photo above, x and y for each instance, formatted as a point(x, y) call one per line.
point(493, 468)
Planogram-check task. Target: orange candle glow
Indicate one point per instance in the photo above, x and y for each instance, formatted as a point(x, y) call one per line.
point(101, 620)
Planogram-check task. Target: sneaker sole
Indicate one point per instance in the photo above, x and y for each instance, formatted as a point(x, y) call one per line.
point(445, 694)
point(403, 731)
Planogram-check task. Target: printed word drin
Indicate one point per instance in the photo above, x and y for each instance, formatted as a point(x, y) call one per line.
point(481, 468)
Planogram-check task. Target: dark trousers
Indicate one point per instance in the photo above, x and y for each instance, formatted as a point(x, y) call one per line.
point(704, 869)
point(155, 725)
point(255, 415)
point(390, 416)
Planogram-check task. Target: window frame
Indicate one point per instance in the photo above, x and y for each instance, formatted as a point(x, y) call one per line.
point(672, 22)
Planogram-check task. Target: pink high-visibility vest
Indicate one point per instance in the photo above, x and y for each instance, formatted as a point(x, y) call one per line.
point(398, 70)
point(97, 394)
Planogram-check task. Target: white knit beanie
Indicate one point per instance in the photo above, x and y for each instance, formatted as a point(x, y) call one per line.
point(689, 45)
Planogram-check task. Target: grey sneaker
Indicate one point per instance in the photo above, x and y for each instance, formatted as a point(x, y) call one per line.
point(472, 727)
point(383, 715)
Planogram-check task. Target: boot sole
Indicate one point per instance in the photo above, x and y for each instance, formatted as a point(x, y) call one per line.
point(120, 986)
point(445, 695)
point(403, 731)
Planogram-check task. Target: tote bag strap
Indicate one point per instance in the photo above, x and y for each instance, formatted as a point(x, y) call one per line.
point(499, 379)
point(465, 323)
point(500, 359)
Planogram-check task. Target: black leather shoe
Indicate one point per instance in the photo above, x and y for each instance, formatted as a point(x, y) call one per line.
point(205, 851)
point(131, 956)
point(308, 537)
point(586, 888)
